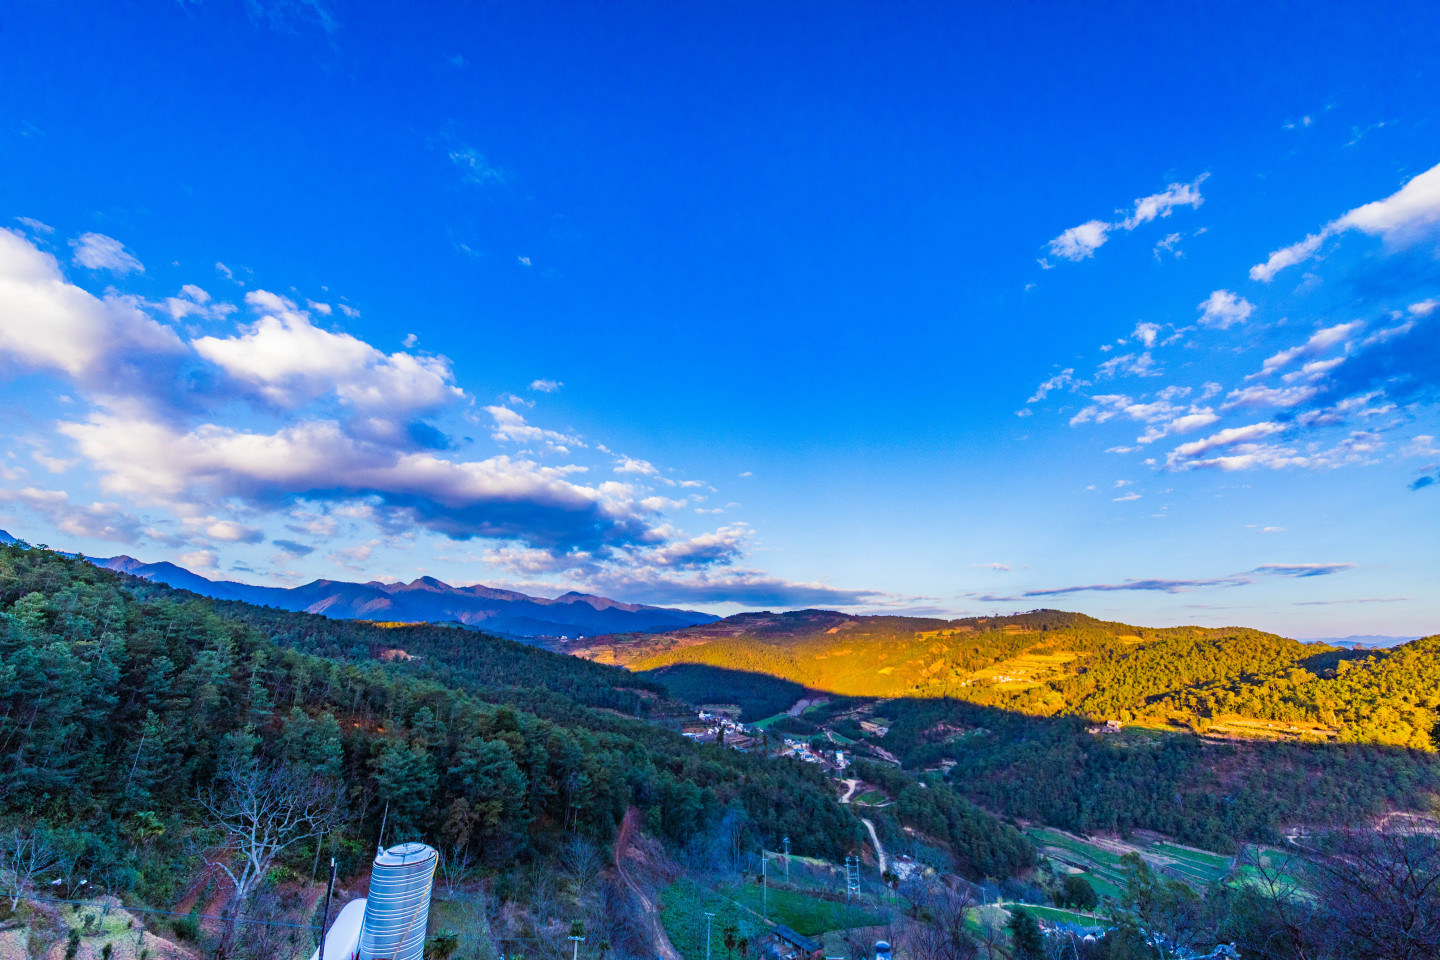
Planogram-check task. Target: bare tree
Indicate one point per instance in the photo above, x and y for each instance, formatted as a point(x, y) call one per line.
point(1380, 892)
point(1293, 912)
point(453, 868)
point(24, 855)
point(259, 812)
point(580, 860)
point(940, 934)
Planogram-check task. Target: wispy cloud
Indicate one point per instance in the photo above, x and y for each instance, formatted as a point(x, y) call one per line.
point(99, 252)
point(1404, 216)
point(1163, 585)
point(1080, 242)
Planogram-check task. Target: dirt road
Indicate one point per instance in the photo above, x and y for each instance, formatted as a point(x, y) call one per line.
point(850, 787)
point(879, 850)
point(628, 828)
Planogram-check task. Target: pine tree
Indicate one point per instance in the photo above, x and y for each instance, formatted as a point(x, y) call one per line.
point(1025, 933)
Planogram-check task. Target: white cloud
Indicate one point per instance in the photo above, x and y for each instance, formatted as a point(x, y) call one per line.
point(1319, 342)
point(1101, 408)
point(1080, 242)
point(1223, 309)
point(474, 168)
point(1410, 212)
point(1260, 396)
point(95, 521)
point(1171, 245)
point(35, 226)
point(99, 252)
point(642, 468)
point(723, 546)
point(511, 427)
point(227, 531)
point(52, 464)
point(498, 497)
point(199, 560)
point(546, 386)
point(1160, 204)
point(1064, 378)
point(1226, 437)
point(109, 345)
point(1197, 419)
point(1126, 498)
point(289, 362)
point(195, 301)
point(1146, 333)
point(1139, 365)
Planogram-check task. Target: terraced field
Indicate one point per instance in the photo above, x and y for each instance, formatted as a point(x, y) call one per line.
point(1100, 860)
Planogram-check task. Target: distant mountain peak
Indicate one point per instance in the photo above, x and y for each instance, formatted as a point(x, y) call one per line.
point(430, 600)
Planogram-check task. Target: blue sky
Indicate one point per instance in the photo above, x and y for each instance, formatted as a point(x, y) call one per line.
point(905, 307)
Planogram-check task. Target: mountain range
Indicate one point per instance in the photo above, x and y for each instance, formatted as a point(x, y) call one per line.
point(427, 600)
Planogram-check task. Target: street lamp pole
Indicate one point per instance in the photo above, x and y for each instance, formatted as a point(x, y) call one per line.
point(708, 917)
point(325, 920)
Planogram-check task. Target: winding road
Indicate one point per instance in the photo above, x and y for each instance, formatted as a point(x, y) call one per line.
point(663, 947)
point(851, 786)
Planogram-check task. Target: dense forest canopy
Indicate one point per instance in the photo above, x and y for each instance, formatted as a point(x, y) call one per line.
point(120, 700)
point(1050, 663)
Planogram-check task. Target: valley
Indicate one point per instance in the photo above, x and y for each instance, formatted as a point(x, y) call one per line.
point(835, 780)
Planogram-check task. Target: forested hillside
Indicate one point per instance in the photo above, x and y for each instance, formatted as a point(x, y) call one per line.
point(1229, 681)
point(117, 709)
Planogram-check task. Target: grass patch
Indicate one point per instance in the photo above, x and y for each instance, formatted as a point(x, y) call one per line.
point(810, 915)
point(683, 906)
point(871, 796)
point(1057, 915)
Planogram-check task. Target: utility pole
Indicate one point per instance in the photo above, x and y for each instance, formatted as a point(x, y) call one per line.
point(764, 886)
point(325, 920)
point(708, 917)
point(787, 859)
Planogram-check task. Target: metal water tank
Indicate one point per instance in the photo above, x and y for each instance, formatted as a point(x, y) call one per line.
point(397, 908)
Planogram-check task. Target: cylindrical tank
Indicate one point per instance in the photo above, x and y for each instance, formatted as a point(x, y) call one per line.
point(882, 950)
point(397, 907)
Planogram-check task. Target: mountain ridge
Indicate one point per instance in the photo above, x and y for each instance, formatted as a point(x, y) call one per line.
point(426, 600)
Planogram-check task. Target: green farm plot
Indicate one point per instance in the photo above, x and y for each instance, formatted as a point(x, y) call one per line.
point(1079, 848)
point(871, 797)
point(1103, 888)
point(1198, 868)
point(1197, 865)
point(1274, 861)
point(765, 724)
point(809, 915)
point(1102, 867)
point(1057, 915)
point(683, 906)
